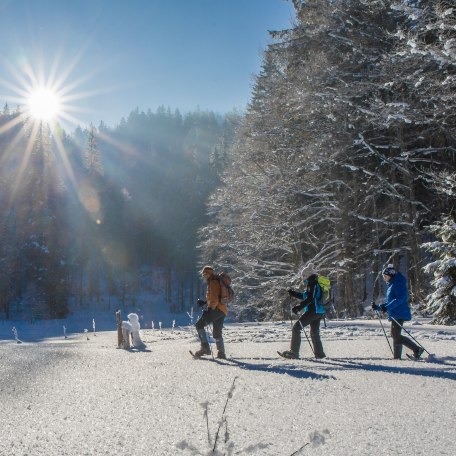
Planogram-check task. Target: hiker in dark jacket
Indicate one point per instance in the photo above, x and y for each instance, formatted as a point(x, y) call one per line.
point(398, 310)
point(313, 313)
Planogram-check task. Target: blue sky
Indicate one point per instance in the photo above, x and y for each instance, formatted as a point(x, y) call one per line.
point(111, 56)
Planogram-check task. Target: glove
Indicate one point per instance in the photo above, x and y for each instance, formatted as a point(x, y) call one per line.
point(374, 306)
point(298, 308)
point(294, 294)
point(201, 302)
point(383, 307)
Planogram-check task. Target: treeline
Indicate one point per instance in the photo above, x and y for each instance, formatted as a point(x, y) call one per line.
point(337, 164)
point(105, 212)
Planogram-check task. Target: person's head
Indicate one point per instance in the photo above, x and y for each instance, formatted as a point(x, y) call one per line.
point(207, 271)
point(388, 273)
point(311, 279)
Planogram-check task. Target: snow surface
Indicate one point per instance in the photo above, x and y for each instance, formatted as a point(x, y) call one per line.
point(83, 396)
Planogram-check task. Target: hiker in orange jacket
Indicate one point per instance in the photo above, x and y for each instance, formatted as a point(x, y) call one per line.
point(215, 313)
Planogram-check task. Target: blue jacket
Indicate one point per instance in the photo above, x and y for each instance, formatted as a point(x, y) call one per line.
point(313, 293)
point(397, 298)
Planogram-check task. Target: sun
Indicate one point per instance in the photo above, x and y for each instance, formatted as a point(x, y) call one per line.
point(44, 104)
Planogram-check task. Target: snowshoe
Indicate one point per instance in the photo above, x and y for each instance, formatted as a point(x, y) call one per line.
point(416, 354)
point(288, 354)
point(204, 350)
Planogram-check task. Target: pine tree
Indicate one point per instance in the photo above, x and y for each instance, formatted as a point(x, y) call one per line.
point(92, 157)
point(442, 302)
point(38, 266)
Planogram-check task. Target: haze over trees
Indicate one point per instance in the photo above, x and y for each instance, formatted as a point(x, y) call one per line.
point(105, 212)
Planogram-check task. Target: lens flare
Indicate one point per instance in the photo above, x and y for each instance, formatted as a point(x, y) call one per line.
point(43, 104)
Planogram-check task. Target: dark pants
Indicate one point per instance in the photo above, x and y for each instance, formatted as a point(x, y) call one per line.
point(399, 339)
point(216, 317)
point(313, 319)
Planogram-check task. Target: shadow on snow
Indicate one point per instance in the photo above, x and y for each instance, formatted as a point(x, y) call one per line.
point(445, 372)
point(290, 369)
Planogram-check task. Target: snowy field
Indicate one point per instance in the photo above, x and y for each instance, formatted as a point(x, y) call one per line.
point(83, 396)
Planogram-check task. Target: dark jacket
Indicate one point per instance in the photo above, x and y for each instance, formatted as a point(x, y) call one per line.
point(311, 298)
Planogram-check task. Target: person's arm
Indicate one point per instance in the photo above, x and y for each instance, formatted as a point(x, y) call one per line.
point(307, 299)
point(296, 294)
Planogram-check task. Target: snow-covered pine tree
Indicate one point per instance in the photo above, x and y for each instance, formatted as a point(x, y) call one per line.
point(92, 156)
point(332, 166)
point(442, 302)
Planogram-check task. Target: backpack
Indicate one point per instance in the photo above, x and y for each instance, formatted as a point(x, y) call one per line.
point(325, 285)
point(226, 291)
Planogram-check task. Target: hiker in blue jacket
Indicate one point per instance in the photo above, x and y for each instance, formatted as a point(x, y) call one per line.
point(398, 310)
point(314, 312)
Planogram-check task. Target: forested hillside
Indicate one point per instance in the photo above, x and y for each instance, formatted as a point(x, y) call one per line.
point(341, 161)
point(104, 211)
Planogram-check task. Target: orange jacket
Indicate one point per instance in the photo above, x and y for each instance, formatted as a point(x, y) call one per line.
point(213, 294)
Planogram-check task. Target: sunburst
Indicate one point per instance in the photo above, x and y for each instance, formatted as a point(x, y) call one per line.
point(44, 104)
point(42, 100)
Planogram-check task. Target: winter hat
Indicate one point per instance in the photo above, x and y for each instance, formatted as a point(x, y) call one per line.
point(389, 270)
point(207, 268)
point(311, 279)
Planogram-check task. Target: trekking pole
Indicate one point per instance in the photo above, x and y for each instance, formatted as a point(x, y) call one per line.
point(392, 318)
point(384, 332)
point(209, 339)
point(291, 313)
point(307, 337)
point(378, 315)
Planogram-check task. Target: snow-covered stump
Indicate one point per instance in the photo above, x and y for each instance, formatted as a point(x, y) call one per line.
point(119, 329)
point(126, 331)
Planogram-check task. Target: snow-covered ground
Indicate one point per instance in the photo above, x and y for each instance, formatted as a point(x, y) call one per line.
point(83, 396)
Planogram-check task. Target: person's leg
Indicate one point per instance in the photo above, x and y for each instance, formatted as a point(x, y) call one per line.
point(404, 340)
point(218, 317)
point(304, 321)
point(202, 322)
point(397, 339)
point(295, 344)
point(315, 336)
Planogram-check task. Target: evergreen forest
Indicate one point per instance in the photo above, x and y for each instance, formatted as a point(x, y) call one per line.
point(103, 212)
point(344, 161)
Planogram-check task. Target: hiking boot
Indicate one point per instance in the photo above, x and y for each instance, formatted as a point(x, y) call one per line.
point(221, 355)
point(289, 354)
point(204, 350)
point(417, 353)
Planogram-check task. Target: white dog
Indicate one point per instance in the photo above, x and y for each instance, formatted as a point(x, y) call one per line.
point(131, 327)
